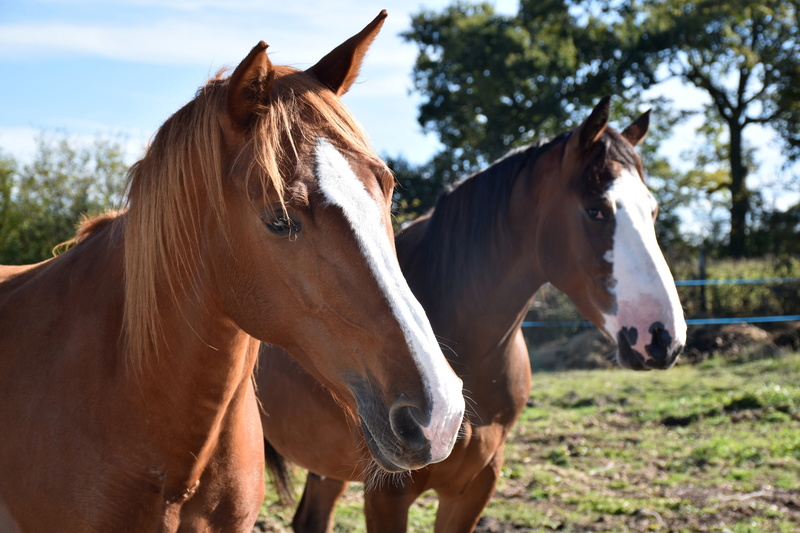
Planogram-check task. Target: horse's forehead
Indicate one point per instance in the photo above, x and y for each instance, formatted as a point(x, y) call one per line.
point(343, 170)
point(350, 168)
point(628, 190)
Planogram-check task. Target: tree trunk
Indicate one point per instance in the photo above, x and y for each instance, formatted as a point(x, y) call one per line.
point(740, 196)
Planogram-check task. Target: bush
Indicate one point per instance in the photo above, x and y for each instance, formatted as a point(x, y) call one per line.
point(41, 203)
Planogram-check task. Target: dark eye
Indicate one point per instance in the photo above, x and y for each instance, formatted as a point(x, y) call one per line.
point(282, 226)
point(595, 214)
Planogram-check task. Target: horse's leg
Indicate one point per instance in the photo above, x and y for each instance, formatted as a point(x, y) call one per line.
point(460, 512)
point(315, 512)
point(386, 508)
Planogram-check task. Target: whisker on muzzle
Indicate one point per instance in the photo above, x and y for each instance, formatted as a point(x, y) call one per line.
point(376, 477)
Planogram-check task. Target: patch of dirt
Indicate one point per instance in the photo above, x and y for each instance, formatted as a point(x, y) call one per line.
point(732, 339)
point(786, 335)
point(489, 524)
point(588, 349)
point(269, 525)
point(728, 507)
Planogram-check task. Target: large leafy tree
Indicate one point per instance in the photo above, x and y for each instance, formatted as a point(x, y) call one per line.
point(491, 81)
point(745, 55)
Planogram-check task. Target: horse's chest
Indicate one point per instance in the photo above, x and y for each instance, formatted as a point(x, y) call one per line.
point(469, 457)
point(500, 389)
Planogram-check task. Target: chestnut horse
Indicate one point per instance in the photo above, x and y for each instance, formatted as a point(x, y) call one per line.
point(574, 212)
point(259, 213)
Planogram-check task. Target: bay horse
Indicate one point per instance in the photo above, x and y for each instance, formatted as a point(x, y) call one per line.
point(573, 211)
point(258, 213)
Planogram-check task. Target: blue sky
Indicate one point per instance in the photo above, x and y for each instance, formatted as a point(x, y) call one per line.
point(120, 67)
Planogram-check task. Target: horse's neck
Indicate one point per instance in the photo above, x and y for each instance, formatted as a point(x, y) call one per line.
point(195, 388)
point(200, 376)
point(479, 325)
point(485, 311)
point(177, 403)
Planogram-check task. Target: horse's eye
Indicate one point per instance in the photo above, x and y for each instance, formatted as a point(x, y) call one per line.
point(282, 226)
point(595, 214)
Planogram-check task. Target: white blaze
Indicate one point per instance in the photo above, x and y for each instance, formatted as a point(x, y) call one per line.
point(644, 286)
point(342, 188)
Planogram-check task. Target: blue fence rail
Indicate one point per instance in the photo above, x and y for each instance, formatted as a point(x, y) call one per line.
point(758, 281)
point(692, 321)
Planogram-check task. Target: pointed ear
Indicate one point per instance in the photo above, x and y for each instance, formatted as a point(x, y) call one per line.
point(636, 132)
point(594, 126)
point(249, 84)
point(339, 69)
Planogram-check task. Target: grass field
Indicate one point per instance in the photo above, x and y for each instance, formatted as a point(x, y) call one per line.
point(711, 447)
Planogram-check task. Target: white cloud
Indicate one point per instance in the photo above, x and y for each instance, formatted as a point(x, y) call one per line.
point(295, 34)
point(205, 33)
point(162, 42)
point(208, 31)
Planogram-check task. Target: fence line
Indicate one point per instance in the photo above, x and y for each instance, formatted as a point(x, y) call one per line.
point(692, 321)
point(758, 281)
point(748, 320)
point(689, 321)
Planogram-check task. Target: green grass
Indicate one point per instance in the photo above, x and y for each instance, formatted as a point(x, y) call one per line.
point(711, 447)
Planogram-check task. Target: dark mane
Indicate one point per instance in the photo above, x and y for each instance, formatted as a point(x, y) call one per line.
point(462, 233)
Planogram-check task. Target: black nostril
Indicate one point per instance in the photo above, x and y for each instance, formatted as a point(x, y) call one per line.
point(659, 348)
point(406, 424)
point(631, 335)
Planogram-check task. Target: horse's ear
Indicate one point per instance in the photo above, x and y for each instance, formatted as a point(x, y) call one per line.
point(249, 84)
point(594, 126)
point(339, 69)
point(637, 131)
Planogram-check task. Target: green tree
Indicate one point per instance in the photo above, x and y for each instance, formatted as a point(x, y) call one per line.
point(491, 81)
point(8, 213)
point(775, 232)
point(416, 190)
point(41, 203)
point(673, 190)
point(745, 55)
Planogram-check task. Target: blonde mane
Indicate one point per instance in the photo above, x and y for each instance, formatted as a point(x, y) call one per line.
point(180, 179)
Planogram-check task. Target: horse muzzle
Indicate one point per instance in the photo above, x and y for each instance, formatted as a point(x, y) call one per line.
point(399, 445)
point(660, 354)
point(404, 435)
